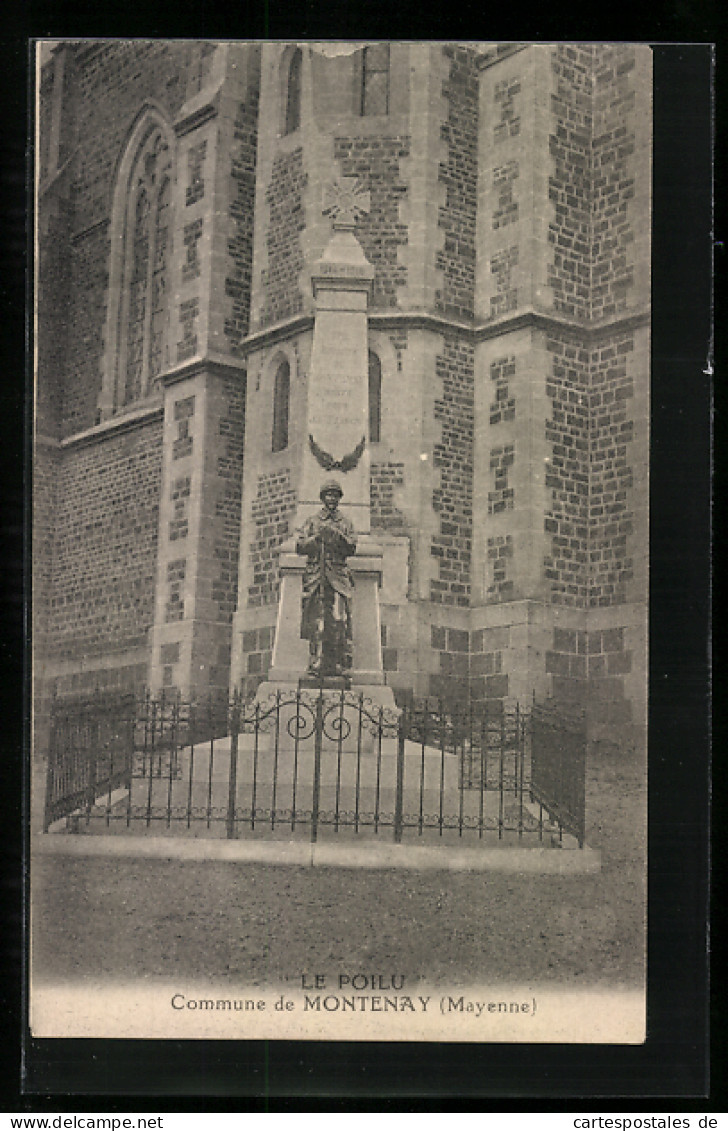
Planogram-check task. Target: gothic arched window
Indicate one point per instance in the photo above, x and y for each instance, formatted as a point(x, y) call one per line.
point(375, 79)
point(375, 398)
point(144, 305)
point(292, 92)
point(281, 399)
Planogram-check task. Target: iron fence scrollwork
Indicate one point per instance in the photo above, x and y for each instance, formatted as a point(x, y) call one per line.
point(317, 761)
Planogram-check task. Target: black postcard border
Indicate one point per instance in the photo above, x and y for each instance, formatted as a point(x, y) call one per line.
point(197, 1075)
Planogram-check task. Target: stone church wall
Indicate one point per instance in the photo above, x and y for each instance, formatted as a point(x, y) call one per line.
point(509, 231)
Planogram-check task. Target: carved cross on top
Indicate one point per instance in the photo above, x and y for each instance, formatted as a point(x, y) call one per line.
point(345, 200)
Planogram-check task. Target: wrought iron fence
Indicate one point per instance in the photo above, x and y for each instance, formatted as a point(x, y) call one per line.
point(558, 765)
point(314, 762)
point(90, 755)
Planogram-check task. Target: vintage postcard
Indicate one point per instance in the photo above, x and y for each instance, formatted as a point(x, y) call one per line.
point(340, 540)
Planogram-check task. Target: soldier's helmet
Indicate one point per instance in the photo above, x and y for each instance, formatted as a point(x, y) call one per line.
point(330, 485)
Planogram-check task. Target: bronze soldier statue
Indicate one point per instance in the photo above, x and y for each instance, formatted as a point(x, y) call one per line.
point(327, 540)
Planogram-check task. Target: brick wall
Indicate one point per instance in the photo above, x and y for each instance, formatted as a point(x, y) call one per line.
point(611, 520)
point(85, 307)
point(238, 280)
point(567, 472)
point(45, 479)
point(453, 457)
point(569, 231)
point(284, 198)
point(272, 512)
point(114, 82)
point(125, 677)
point(376, 161)
point(459, 175)
point(105, 544)
point(53, 309)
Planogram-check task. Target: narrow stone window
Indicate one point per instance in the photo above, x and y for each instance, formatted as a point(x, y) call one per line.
point(375, 80)
point(281, 398)
point(293, 93)
point(375, 398)
point(146, 263)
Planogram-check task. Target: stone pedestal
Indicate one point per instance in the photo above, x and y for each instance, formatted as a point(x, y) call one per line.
point(336, 446)
point(290, 651)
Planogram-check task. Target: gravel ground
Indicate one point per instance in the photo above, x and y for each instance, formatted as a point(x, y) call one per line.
point(126, 919)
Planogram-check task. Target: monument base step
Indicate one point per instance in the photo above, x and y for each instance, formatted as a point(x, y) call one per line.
point(377, 694)
point(328, 683)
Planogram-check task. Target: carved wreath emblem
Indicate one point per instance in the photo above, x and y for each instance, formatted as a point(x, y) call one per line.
point(327, 461)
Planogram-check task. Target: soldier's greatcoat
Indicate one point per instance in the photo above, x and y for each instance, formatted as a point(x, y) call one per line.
point(326, 540)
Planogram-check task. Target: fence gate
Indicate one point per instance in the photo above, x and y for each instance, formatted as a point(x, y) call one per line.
point(314, 763)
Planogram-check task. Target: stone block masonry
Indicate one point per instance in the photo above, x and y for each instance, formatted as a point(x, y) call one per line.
point(183, 443)
point(613, 181)
point(501, 497)
point(191, 236)
point(229, 443)
point(284, 197)
point(504, 178)
point(570, 144)
point(238, 281)
point(611, 518)
point(188, 314)
point(272, 511)
point(459, 176)
point(179, 497)
point(503, 408)
point(257, 650)
point(471, 664)
point(501, 268)
point(197, 572)
point(499, 585)
point(105, 546)
point(507, 99)
point(591, 667)
point(175, 607)
point(385, 480)
point(376, 162)
point(567, 474)
point(453, 457)
point(195, 189)
point(509, 218)
point(566, 663)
